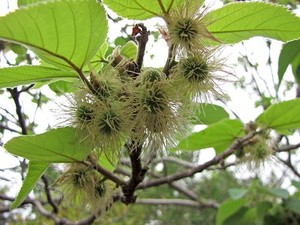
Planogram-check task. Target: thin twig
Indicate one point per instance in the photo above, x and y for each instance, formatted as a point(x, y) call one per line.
point(288, 148)
point(176, 202)
point(48, 194)
point(106, 173)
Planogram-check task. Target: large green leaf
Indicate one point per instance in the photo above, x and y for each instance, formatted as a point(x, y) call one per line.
point(282, 117)
point(28, 2)
point(35, 171)
point(209, 114)
point(141, 9)
point(65, 34)
point(290, 52)
point(61, 145)
point(21, 75)
point(218, 135)
point(228, 208)
point(240, 21)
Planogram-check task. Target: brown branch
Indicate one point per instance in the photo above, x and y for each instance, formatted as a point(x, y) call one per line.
point(137, 172)
point(9, 129)
point(190, 172)
point(179, 161)
point(48, 194)
point(106, 173)
point(289, 164)
point(192, 195)
point(170, 61)
point(15, 95)
point(142, 40)
point(288, 148)
point(176, 202)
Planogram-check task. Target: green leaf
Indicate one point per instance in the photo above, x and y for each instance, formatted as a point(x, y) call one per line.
point(60, 145)
point(244, 215)
point(240, 21)
point(289, 52)
point(141, 9)
point(106, 163)
point(66, 34)
point(278, 192)
point(296, 68)
point(129, 50)
point(209, 114)
point(261, 210)
point(282, 117)
point(218, 135)
point(228, 208)
point(62, 86)
point(21, 75)
point(34, 173)
point(293, 204)
point(237, 193)
point(296, 184)
point(96, 62)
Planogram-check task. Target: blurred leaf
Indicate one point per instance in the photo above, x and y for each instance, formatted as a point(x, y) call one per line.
point(140, 9)
point(219, 135)
point(35, 171)
point(21, 75)
point(261, 210)
point(289, 52)
point(209, 114)
point(237, 193)
point(244, 216)
point(296, 184)
point(293, 204)
point(129, 50)
point(278, 192)
point(282, 117)
point(228, 208)
point(60, 145)
point(66, 34)
point(240, 21)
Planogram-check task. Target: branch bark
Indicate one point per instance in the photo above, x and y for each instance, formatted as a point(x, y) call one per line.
point(190, 172)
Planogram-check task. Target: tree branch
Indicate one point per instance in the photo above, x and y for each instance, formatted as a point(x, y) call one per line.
point(142, 40)
point(15, 95)
point(137, 172)
point(190, 172)
point(170, 61)
point(177, 202)
point(288, 148)
point(109, 175)
point(48, 194)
